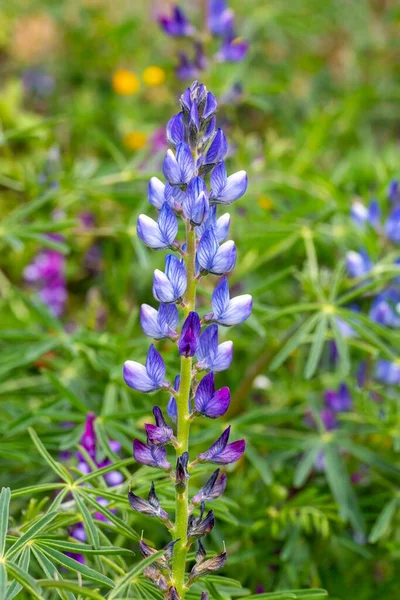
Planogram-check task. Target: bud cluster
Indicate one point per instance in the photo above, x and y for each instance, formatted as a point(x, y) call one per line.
point(198, 152)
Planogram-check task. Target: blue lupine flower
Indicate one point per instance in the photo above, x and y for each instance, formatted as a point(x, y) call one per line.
point(211, 355)
point(394, 191)
point(388, 372)
point(361, 214)
point(214, 258)
point(169, 287)
point(385, 308)
point(156, 192)
point(176, 25)
point(158, 235)
point(190, 335)
point(153, 456)
point(222, 453)
point(179, 169)
point(340, 400)
point(146, 378)
point(358, 264)
point(233, 49)
point(392, 226)
point(220, 19)
point(210, 402)
point(176, 131)
point(160, 323)
point(220, 225)
point(195, 204)
point(226, 190)
point(160, 433)
point(217, 150)
point(227, 311)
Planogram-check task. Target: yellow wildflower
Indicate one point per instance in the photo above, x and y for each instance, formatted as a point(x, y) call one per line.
point(135, 140)
point(265, 202)
point(125, 82)
point(153, 76)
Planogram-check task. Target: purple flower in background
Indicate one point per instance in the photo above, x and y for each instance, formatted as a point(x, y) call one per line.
point(222, 453)
point(226, 311)
point(211, 355)
point(220, 18)
point(146, 378)
point(176, 24)
point(340, 400)
point(210, 402)
point(47, 273)
point(37, 82)
point(388, 372)
point(385, 308)
point(392, 226)
point(394, 192)
point(358, 264)
point(190, 335)
point(233, 49)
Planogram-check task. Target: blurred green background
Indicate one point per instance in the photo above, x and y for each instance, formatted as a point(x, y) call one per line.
point(316, 126)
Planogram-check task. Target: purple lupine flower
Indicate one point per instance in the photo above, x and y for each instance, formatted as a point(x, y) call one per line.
point(217, 149)
point(176, 25)
point(88, 439)
point(151, 507)
point(150, 455)
point(190, 335)
point(179, 168)
point(234, 49)
point(172, 594)
point(169, 287)
point(358, 264)
point(220, 225)
point(222, 453)
point(161, 323)
point(210, 565)
point(226, 311)
point(186, 69)
point(156, 193)
point(37, 82)
point(146, 378)
point(214, 258)
point(210, 402)
point(340, 400)
point(158, 235)
point(211, 355)
point(160, 433)
point(328, 418)
point(172, 409)
point(176, 130)
point(225, 190)
point(212, 489)
point(220, 18)
point(388, 372)
point(392, 226)
point(199, 527)
point(47, 273)
point(195, 205)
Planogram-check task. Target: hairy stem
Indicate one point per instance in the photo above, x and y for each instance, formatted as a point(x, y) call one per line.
point(183, 425)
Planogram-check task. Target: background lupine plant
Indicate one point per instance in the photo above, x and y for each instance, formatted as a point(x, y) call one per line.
point(199, 149)
point(219, 24)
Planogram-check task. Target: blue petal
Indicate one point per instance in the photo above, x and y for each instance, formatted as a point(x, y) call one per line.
point(208, 346)
point(217, 149)
point(176, 272)
point(222, 227)
point(218, 179)
point(137, 378)
point(186, 163)
point(393, 225)
point(176, 129)
point(163, 290)
point(220, 298)
point(149, 232)
point(239, 309)
point(235, 187)
point(155, 366)
point(168, 225)
point(207, 249)
point(149, 322)
point(225, 259)
point(171, 168)
point(156, 192)
point(168, 317)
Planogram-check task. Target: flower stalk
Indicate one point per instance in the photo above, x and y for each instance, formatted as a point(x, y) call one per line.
point(200, 150)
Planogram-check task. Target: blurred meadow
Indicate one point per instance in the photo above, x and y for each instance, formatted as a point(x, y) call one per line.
point(311, 113)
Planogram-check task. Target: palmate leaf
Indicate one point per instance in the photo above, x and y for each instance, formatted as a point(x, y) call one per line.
point(80, 548)
point(74, 565)
point(305, 466)
point(24, 579)
point(341, 487)
point(295, 341)
point(342, 348)
point(4, 510)
point(51, 571)
point(136, 570)
point(14, 588)
point(3, 580)
point(30, 534)
point(90, 527)
point(316, 347)
point(383, 522)
point(70, 587)
point(120, 526)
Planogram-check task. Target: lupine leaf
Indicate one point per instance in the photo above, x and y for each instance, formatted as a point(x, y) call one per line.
point(4, 510)
point(90, 527)
point(316, 347)
point(14, 588)
point(382, 525)
point(58, 468)
point(74, 565)
point(23, 577)
point(120, 526)
point(30, 534)
point(136, 570)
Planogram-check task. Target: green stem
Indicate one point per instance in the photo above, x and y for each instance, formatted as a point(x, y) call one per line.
point(183, 425)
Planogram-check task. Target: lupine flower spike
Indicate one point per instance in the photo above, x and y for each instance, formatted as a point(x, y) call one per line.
point(197, 154)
